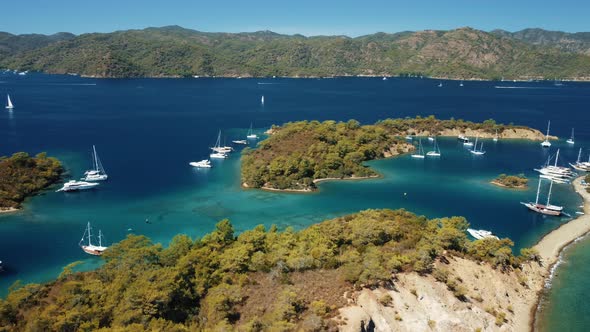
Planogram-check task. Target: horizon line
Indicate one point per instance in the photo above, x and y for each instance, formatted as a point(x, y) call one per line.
point(283, 34)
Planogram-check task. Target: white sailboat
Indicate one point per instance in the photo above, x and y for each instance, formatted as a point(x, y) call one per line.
point(240, 141)
point(546, 142)
point(571, 139)
point(548, 209)
point(558, 174)
point(496, 137)
point(440, 84)
point(97, 173)
point(475, 151)
point(461, 84)
point(219, 152)
point(262, 100)
point(90, 248)
point(250, 134)
point(579, 165)
point(9, 104)
point(420, 154)
point(435, 151)
point(466, 141)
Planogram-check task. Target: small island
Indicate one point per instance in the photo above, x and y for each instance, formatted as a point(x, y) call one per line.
point(298, 155)
point(22, 176)
point(511, 181)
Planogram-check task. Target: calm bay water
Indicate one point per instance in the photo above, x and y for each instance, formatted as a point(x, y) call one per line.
point(148, 130)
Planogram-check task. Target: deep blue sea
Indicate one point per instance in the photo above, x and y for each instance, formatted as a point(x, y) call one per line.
point(146, 132)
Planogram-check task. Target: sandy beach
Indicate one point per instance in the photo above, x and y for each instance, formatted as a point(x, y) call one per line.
point(551, 244)
point(8, 210)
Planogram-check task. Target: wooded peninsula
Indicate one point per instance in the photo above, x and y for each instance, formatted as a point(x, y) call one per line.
point(22, 176)
point(297, 155)
point(266, 279)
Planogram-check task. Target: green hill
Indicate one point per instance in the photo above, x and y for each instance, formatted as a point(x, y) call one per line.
point(261, 280)
point(463, 53)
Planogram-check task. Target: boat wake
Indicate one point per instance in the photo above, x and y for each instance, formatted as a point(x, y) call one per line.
point(72, 84)
point(522, 87)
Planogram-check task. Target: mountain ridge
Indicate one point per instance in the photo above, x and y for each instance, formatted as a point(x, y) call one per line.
point(174, 51)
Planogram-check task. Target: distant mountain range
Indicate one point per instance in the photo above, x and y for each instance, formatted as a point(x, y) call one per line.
point(173, 51)
point(578, 42)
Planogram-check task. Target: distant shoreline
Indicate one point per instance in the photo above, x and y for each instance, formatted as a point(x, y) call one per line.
point(310, 191)
point(458, 79)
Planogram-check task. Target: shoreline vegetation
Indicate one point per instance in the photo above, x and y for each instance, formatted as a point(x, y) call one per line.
point(511, 181)
point(172, 51)
point(298, 155)
point(22, 176)
point(386, 268)
point(279, 280)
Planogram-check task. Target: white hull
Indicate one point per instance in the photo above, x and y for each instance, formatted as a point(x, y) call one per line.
point(554, 179)
point(218, 155)
point(94, 250)
point(481, 234)
point(251, 137)
point(433, 154)
point(570, 141)
point(100, 177)
point(580, 167)
point(539, 208)
point(418, 156)
point(77, 185)
point(546, 144)
point(201, 164)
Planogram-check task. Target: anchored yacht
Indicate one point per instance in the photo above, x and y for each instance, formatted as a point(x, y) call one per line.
point(74, 185)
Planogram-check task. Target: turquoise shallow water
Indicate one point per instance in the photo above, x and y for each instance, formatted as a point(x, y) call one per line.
point(147, 130)
point(565, 306)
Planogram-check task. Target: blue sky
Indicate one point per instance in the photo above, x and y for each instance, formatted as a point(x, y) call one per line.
point(308, 17)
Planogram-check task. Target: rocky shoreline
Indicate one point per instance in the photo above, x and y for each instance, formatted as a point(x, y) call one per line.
point(497, 301)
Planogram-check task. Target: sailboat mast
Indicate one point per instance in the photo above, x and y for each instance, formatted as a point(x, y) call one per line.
point(89, 235)
point(548, 126)
point(549, 195)
point(556, 157)
point(218, 143)
point(475, 145)
point(99, 238)
point(538, 190)
point(579, 156)
point(95, 158)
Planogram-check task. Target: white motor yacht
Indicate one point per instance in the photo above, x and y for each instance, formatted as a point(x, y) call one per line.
point(218, 155)
point(481, 234)
point(74, 185)
point(205, 163)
